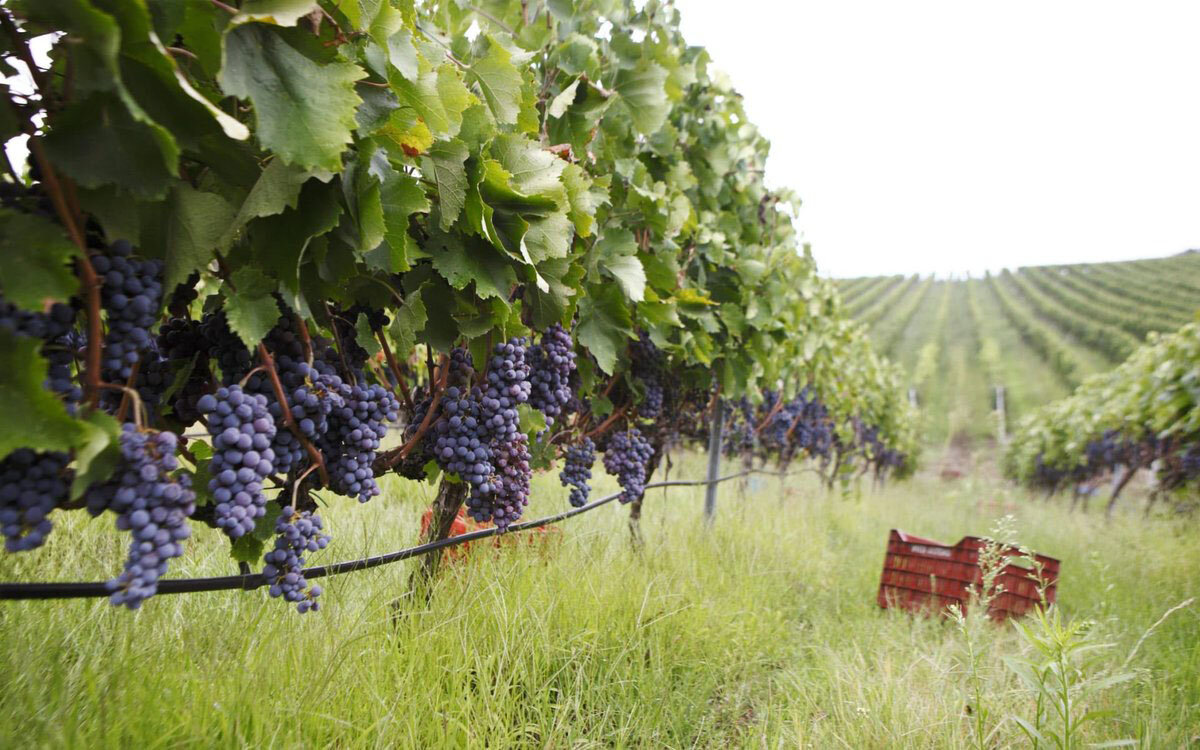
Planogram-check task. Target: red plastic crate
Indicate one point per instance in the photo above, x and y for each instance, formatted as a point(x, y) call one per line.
point(921, 575)
point(542, 536)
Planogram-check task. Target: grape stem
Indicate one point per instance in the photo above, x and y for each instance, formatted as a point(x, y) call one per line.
point(603, 426)
point(298, 482)
point(139, 409)
point(438, 386)
point(252, 373)
point(337, 339)
point(130, 382)
point(395, 368)
point(314, 454)
point(770, 415)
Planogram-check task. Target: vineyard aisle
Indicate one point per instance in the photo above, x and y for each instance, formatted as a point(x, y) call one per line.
point(721, 637)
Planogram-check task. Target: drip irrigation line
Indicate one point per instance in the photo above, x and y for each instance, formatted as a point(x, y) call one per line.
point(251, 581)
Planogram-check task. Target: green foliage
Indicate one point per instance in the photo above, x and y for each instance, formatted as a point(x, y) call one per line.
point(570, 162)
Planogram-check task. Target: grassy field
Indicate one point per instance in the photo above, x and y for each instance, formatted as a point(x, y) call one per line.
point(759, 632)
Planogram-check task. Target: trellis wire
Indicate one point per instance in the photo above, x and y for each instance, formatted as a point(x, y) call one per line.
point(251, 581)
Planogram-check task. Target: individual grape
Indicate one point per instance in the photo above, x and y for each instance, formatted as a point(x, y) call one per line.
point(508, 488)
point(31, 485)
point(577, 470)
point(355, 431)
point(151, 504)
point(131, 295)
point(296, 533)
point(550, 364)
point(242, 431)
point(627, 457)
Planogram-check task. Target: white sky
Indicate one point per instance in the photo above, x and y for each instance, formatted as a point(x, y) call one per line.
point(953, 136)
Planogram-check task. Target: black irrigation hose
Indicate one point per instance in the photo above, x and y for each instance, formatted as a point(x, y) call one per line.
point(249, 582)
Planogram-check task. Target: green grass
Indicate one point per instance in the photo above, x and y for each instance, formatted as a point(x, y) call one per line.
point(759, 632)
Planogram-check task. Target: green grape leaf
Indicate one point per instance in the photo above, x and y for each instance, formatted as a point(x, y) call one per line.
point(463, 261)
point(189, 231)
point(499, 81)
point(444, 165)
point(559, 104)
point(203, 454)
point(643, 90)
point(628, 272)
point(531, 420)
point(304, 110)
point(32, 416)
point(251, 309)
point(97, 452)
point(365, 336)
point(407, 321)
point(605, 324)
point(277, 189)
point(35, 261)
point(400, 196)
point(278, 12)
point(125, 152)
point(438, 95)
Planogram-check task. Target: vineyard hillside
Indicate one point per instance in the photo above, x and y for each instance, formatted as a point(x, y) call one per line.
point(1016, 339)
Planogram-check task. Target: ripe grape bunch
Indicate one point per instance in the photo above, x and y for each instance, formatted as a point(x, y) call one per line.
point(31, 485)
point(551, 362)
point(460, 443)
point(503, 497)
point(577, 470)
point(627, 458)
point(242, 432)
point(152, 505)
point(510, 483)
point(131, 295)
point(648, 363)
point(356, 428)
point(297, 532)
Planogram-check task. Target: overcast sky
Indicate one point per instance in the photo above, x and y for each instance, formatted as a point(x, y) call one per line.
point(961, 136)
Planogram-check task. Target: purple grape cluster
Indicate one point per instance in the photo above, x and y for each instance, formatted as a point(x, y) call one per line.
point(356, 429)
point(652, 404)
point(550, 364)
point(627, 456)
point(509, 484)
point(52, 327)
point(60, 356)
point(507, 387)
point(460, 443)
point(31, 485)
point(648, 363)
point(296, 533)
point(242, 431)
point(131, 295)
point(504, 495)
point(233, 358)
point(47, 326)
point(151, 504)
point(577, 470)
